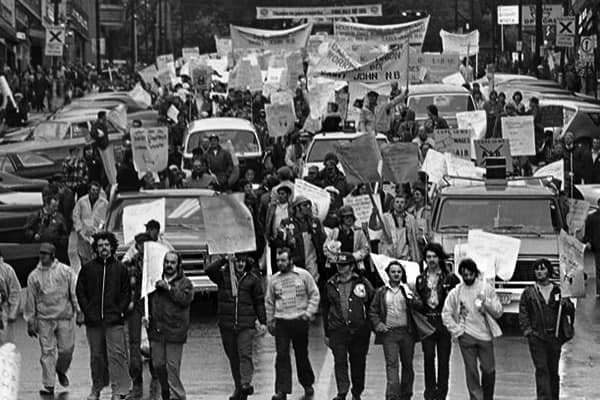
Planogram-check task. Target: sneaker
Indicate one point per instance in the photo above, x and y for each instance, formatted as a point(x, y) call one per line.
point(94, 395)
point(247, 389)
point(62, 379)
point(279, 396)
point(356, 397)
point(47, 391)
point(309, 392)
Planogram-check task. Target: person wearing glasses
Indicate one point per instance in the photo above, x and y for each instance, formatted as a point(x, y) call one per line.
point(50, 311)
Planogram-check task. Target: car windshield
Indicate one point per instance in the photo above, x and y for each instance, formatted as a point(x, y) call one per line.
point(500, 215)
point(447, 104)
point(183, 212)
point(50, 131)
point(320, 148)
point(244, 141)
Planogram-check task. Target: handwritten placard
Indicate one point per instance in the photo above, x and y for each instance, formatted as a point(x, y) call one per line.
point(571, 258)
point(434, 166)
point(150, 148)
point(488, 148)
point(363, 207)
point(400, 162)
point(578, 212)
point(520, 134)
point(281, 118)
point(500, 250)
point(136, 216)
point(154, 255)
point(455, 141)
point(319, 197)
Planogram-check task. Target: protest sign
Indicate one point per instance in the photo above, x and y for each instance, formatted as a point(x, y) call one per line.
point(412, 32)
point(154, 256)
point(10, 369)
point(163, 60)
point(361, 159)
point(382, 261)
point(555, 170)
point(223, 46)
point(335, 60)
point(187, 53)
point(287, 39)
point(400, 162)
point(172, 113)
point(486, 148)
point(136, 216)
point(520, 134)
point(363, 207)
point(150, 148)
point(319, 197)
point(499, 251)
point(341, 99)
point(275, 81)
point(295, 68)
point(140, 95)
point(433, 67)
point(118, 117)
point(321, 91)
point(281, 118)
point(463, 168)
point(455, 141)
point(434, 166)
point(464, 44)
point(475, 120)
point(228, 223)
point(370, 10)
point(571, 258)
point(201, 75)
point(578, 212)
point(246, 76)
point(148, 74)
point(456, 79)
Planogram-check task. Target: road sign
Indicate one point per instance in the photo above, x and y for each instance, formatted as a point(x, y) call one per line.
point(508, 15)
point(565, 32)
point(587, 44)
point(55, 41)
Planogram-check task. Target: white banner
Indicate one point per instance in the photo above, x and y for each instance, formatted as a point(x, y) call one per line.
point(520, 134)
point(497, 253)
point(140, 95)
point(154, 256)
point(250, 38)
point(163, 61)
point(398, 34)
point(150, 148)
point(136, 216)
point(55, 41)
point(555, 170)
point(335, 60)
point(363, 207)
point(463, 44)
point(319, 198)
point(371, 10)
point(571, 255)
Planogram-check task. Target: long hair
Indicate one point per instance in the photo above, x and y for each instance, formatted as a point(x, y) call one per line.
point(112, 240)
point(439, 252)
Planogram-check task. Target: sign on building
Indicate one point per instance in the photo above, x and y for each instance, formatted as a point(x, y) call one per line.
point(55, 40)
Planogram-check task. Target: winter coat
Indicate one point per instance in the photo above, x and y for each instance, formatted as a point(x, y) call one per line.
point(220, 164)
point(361, 296)
point(291, 236)
point(378, 312)
point(51, 293)
point(531, 318)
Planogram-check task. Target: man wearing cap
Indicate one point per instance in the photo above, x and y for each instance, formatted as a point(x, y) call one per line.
point(304, 235)
point(332, 176)
point(50, 311)
point(377, 118)
point(219, 161)
point(346, 301)
point(241, 303)
point(10, 296)
point(352, 238)
point(153, 231)
point(279, 209)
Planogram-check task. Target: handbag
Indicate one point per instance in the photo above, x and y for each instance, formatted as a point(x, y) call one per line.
point(423, 327)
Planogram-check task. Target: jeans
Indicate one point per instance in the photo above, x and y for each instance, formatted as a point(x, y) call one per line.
point(545, 354)
point(134, 328)
point(397, 341)
point(354, 346)
point(295, 332)
point(57, 342)
point(472, 350)
point(238, 348)
point(108, 358)
point(442, 341)
point(166, 362)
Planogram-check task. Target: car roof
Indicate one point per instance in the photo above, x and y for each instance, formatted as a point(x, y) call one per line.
point(220, 123)
point(343, 135)
point(435, 88)
point(103, 95)
point(80, 115)
point(149, 194)
point(480, 189)
point(575, 103)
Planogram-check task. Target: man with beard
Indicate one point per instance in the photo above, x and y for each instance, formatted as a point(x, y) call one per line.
point(538, 314)
point(332, 176)
point(470, 314)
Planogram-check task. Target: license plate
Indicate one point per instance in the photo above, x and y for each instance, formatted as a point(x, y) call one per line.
point(504, 298)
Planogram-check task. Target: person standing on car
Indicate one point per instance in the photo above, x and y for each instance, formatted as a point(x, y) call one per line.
point(50, 311)
point(10, 298)
point(89, 216)
point(346, 301)
point(219, 161)
point(431, 289)
point(292, 301)
point(592, 241)
point(435, 121)
point(104, 293)
point(99, 133)
point(241, 303)
point(169, 324)
point(201, 177)
point(470, 312)
point(49, 225)
point(538, 315)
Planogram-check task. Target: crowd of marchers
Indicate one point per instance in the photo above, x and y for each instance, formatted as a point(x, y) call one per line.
point(105, 296)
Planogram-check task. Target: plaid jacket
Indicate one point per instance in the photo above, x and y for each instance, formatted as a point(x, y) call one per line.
point(76, 171)
point(134, 268)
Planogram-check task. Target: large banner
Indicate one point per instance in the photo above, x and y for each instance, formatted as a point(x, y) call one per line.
point(150, 148)
point(463, 44)
point(412, 32)
point(250, 38)
point(371, 10)
point(335, 60)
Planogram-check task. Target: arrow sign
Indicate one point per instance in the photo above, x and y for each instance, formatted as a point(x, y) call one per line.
point(55, 40)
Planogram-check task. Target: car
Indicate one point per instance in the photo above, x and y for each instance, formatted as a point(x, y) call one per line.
point(523, 208)
point(184, 228)
point(29, 165)
point(95, 100)
point(323, 143)
point(449, 100)
point(20, 184)
point(146, 117)
point(241, 132)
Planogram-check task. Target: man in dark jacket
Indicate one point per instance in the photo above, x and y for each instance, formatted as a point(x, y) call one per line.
point(169, 324)
point(538, 314)
point(241, 303)
point(346, 301)
point(219, 160)
point(332, 176)
point(431, 289)
point(592, 240)
point(49, 225)
point(103, 293)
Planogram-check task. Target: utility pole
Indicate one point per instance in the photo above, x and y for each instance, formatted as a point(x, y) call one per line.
point(520, 34)
point(98, 56)
point(455, 15)
point(539, 31)
point(181, 26)
point(494, 24)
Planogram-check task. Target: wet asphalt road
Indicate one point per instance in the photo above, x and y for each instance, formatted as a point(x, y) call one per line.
point(206, 375)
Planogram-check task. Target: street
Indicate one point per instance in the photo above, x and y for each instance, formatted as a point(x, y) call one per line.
point(206, 375)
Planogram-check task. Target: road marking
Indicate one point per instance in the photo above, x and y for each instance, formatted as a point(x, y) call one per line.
point(325, 378)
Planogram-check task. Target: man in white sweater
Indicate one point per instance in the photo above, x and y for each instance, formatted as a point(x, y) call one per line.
point(469, 313)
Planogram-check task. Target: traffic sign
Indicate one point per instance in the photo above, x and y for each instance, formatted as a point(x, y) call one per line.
point(565, 32)
point(587, 44)
point(55, 41)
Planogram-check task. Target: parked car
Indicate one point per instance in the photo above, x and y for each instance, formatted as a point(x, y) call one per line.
point(241, 132)
point(449, 100)
point(99, 100)
point(20, 184)
point(29, 165)
point(146, 117)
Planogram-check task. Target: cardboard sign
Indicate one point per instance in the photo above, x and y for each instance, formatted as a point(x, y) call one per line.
point(295, 68)
point(187, 53)
point(246, 75)
point(463, 168)
point(498, 253)
point(223, 46)
point(319, 197)
point(148, 74)
point(578, 212)
point(136, 216)
point(400, 162)
point(163, 61)
point(150, 148)
point(434, 166)
point(555, 170)
point(10, 369)
point(463, 44)
point(455, 141)
point(140, 95)
point(201, 76)
point(571, 255)
point(228, 223)
point(486, 148)
point(361, 159)
point(363, 207)
point(520, 133)
point(287, 39)
point(153, 262)
point(474, 120)
point(410, 32)
point(281, 118)
point(275, 81)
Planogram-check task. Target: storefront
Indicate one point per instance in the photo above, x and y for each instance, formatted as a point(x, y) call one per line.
point(77, 33)
point(8, 33)
point(29, 49)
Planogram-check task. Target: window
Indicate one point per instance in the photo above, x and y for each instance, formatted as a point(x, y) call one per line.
point(243, 141)
point(80, 129)
point(30, 160)
point(51, 131)
point(447, 104)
